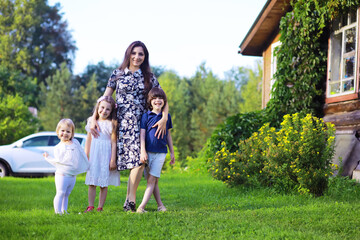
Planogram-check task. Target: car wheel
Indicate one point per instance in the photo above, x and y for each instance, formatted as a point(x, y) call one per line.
point(3, 170)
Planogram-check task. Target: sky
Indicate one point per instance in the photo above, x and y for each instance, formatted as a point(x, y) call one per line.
point(179, 34)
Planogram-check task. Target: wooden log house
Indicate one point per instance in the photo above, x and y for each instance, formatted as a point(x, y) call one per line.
point(342, 101)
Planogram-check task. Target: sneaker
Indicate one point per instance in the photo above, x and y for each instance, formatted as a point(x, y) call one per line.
point(99, 209)
point(89, 209)
point(132, 206)
point(162, 208)
point(126, 206)
point(141, 210)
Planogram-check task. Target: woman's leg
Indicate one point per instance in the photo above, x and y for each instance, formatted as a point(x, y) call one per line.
point(134, 180)
point(102, 196)
point(91, 195)
point(70, 183)
point(148, 191)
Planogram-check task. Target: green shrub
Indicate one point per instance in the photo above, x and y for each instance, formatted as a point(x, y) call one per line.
point(236, 128)
point(298, 156)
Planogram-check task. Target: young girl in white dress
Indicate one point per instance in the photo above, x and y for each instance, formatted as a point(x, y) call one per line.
point(69, 160)
point(102, 153)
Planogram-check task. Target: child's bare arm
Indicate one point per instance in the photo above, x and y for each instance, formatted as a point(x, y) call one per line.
point(88, 144)
point(171, 147)
point(143, 153)
point(113, 151)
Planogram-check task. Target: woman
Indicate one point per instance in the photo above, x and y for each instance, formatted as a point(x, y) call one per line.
point(131, 82)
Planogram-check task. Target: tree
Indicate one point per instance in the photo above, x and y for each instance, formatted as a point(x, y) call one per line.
point(177, 92)
point(212, 101)
point(158, 70)
point(33, 38)
point(251, 91)
point(102, 73)
point(197, 105)
point(58, 98)
point(13, 82)
point(85, 97)
point(63, 98)
point(16, 120)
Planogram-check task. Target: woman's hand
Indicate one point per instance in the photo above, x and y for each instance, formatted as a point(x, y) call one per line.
point(161, 124)
point(94, 127)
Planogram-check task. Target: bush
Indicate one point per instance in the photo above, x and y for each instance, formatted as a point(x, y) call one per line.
point(235, 128)
point(298, 156)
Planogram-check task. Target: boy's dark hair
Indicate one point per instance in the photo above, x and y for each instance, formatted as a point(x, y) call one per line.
point(154, 93)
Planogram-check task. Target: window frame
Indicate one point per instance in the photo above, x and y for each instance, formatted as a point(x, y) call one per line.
point(344, 96)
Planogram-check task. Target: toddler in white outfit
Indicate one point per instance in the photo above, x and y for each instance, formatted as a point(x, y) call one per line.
point(69, 160)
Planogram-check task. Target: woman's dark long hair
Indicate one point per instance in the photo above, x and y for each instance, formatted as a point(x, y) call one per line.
point(145, 66)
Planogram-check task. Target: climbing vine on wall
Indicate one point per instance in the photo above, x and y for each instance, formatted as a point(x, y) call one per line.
point(302, 57)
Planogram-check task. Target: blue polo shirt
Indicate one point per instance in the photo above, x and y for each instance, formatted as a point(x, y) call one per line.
point(153, 144)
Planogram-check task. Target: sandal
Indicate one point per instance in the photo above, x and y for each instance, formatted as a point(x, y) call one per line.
point(99, 209)
point(89, 209)
point(141, 210)
point(162, 208)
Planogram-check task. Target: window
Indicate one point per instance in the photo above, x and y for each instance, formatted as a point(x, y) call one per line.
point(274, 48)
point(53, 140)
point(343, 56)
point(36, 142)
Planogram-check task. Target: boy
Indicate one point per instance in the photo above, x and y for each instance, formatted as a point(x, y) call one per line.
point(153, 150)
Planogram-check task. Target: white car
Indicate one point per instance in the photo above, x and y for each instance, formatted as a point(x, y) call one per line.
point(25, 156)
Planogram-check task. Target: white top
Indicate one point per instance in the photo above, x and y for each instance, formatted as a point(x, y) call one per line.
point(69, 159)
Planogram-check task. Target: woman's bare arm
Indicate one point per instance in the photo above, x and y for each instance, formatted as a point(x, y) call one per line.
point(161, 124)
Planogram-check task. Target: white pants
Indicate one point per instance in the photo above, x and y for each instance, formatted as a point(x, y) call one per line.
point(64, 185)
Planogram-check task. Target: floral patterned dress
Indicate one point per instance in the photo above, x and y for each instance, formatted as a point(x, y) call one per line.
point(131, 104)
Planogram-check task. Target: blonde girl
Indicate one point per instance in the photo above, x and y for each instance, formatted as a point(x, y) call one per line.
point(69, 160)
point(101, 152)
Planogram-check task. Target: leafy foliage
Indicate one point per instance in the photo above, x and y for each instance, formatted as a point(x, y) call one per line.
point(13, 82)
point(298, 156)
point(235, 128)
point(16, 120)
point(197, 105)
point(33, 38)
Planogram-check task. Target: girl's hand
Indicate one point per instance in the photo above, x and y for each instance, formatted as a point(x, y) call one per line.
point(172, 155)
point(94, 127)
point(45, 154)
point(143, 157)
point(161, 131)
point(112, 165)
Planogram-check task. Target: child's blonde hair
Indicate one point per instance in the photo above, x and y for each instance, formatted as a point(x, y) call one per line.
point(68, 122)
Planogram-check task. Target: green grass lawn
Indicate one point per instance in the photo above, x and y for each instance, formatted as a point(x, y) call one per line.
point(198, 208)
